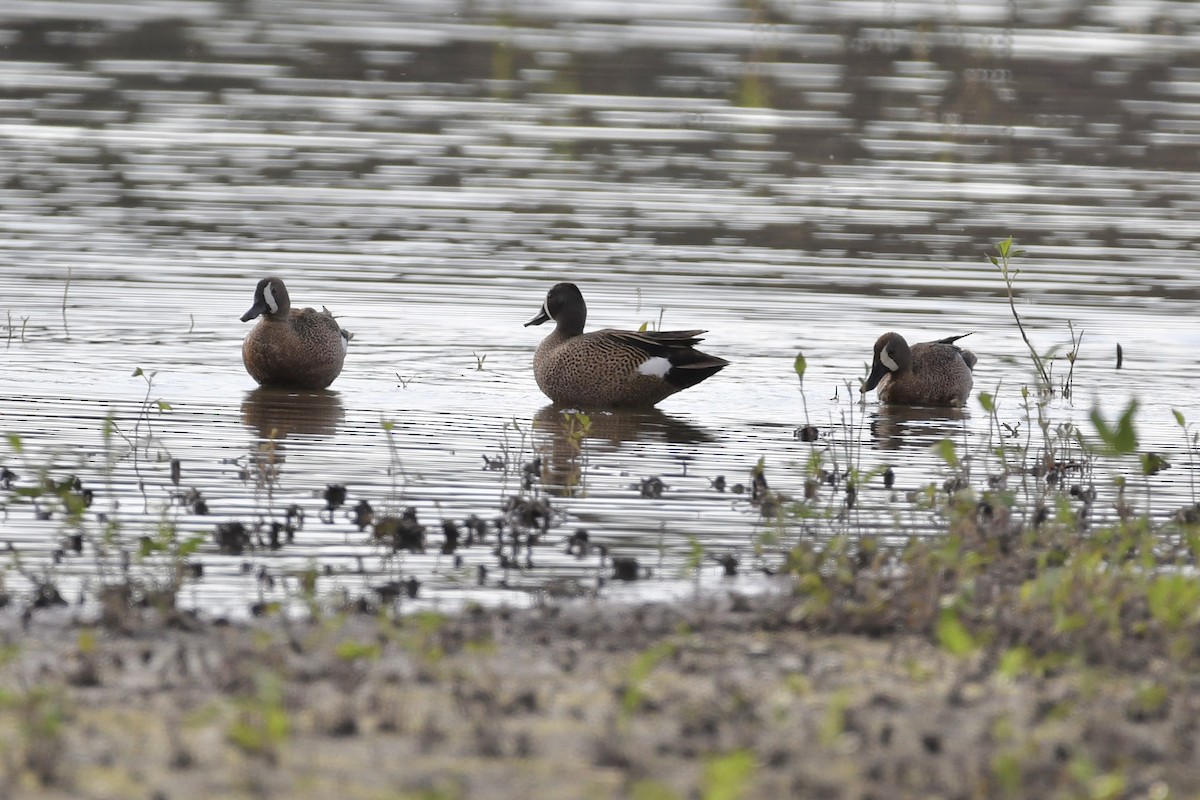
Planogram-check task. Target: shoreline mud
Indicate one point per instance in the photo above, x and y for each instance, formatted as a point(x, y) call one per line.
point(724, 697)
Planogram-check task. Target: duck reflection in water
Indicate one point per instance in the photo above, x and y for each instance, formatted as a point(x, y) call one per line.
point(898, 427)
point(564, 438)
point(276, 413)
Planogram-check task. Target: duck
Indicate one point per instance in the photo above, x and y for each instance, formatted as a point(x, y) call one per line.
point(295, 347)
point(609, 368)
point(926, 374)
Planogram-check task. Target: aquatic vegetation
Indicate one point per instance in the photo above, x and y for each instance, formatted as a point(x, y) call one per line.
point(9, 328)
point(1191, 441)
point(1002, 576)
point(808, 432)
point(1006, 253)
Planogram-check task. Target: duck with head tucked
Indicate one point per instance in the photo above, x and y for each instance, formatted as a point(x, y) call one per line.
point(926, 374)
point(298, 347)
point(612, 368)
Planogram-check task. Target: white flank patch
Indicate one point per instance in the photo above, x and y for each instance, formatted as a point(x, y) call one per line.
point(888, 361)
point(269, 296)
point(657, 366)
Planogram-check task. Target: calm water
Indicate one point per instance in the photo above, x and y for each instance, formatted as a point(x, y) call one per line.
point(792, 176)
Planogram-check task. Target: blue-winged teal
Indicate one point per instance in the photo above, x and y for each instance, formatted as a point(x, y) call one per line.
point(926, 374)
point(299, 347)
point(610, 368)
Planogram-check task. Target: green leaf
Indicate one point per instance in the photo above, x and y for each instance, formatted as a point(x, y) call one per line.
point(951, 634)
point(1119, 439)
point(189, 546)
point(1014, 662)
point(146, 546)
point(727, 777)
point(1107, 787)
point(137, 372)
point(987, 402)
point(1153, 463)
point(800, 364)
point(947, 452)
point(644, 326)
point(14, 441)
point(1179, 420)
point(1173, 600)
point(352, 651)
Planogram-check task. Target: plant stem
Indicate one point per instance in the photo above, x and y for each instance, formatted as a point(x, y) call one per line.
point(1005, 251)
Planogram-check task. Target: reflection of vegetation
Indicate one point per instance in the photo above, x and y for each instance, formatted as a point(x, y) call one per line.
point(504, 64)
point(576, 427)
point(753, 90)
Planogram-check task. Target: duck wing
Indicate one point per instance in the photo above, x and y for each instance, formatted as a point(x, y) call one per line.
point(967, 356)
point(677, 347)
point(657, 343)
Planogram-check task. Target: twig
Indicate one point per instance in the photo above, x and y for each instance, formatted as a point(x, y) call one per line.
point(1076, 341)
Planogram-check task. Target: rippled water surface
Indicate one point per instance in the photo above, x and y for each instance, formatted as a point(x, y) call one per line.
point(792, 176)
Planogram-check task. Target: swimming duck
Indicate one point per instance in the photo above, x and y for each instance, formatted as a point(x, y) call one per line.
point(926, 374)
point(612, 368)
point(289, 346)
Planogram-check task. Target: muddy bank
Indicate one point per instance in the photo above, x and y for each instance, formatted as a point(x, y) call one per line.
point(575, 701)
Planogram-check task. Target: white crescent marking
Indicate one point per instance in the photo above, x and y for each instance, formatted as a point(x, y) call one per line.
point(270, 298)
point(888, 361)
